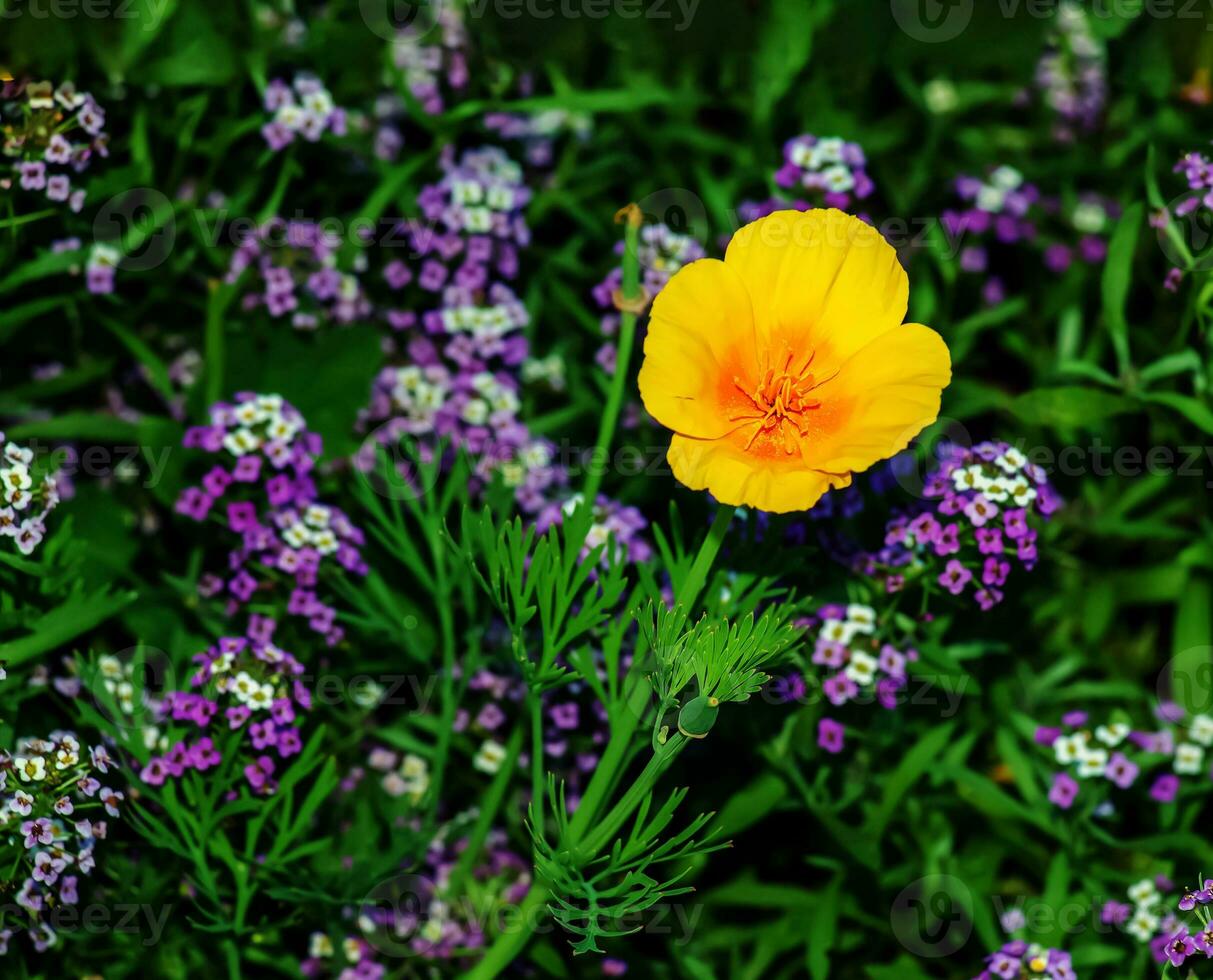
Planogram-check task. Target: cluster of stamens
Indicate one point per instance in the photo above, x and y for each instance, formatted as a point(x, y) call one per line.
point(782, 395)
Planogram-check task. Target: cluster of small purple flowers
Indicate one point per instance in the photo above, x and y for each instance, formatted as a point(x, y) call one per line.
point(827, 170)
point(427, 68)
point(1018, 960)
point(25, 498)
point(1198, 171)
point(356, 962)
point(468, 239)
point(983, 504)
point(303, 108)
point(430, 73)
point(858, 667)
point(477, 327)
point(297, 265)
point(284, 526)
point(1072, 74)
point(575, 732)
point(1149, 916)
point(478, 203)
point(256, 686)
point(48, 789)
point(661, 252)
point(611, 521)
point(438, 925)
point(473, 412)
point(1183, 941)
point(537, 131)
point(407, 776)
point(1119, 754)
point(1146, 915)
point(37, 121)
point(465, 350)
point(1002, 209)
point(829, 167)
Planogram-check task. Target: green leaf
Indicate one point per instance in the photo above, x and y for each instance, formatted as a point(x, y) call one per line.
point(157, 370)
point(1117, 276)
point(66, 622)
point(14, 317)
point(1068, 407)
point(1182, 362)
point(785, 42)
point(78, 425)
point(823, 931)
point(1192, 646)
point(1195, 411)
point(911, 768)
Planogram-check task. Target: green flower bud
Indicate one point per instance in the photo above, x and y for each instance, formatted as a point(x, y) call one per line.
point(698, 716)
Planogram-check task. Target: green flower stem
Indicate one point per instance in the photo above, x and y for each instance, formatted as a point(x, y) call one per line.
point(630, 292)
point(24, 219)
point(697, 577)
point(215, 340)
point(606, 829)
point(446, 621)
point(513, 939)
point(626, 716)
point(536, 705)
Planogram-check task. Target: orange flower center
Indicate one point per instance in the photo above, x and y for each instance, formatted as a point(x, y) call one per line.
point(780, 401)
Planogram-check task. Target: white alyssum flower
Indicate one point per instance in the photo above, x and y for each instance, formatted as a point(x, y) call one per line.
point(1112, 735)
point(1200, 730)
point(489, 758)
point(1189, 758)
point(862, 668)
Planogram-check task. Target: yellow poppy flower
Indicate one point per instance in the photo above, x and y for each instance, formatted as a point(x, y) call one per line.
point(786, 368)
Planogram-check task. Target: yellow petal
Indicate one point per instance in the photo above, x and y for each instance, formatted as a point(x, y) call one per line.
point(701, 335)
point(821, 281)
point(734, 477)
point(880, 399)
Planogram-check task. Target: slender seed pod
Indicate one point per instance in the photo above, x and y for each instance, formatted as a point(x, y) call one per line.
point(698, 716)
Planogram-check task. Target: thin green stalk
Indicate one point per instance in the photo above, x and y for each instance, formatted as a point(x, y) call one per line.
point(232, 953)
point(606, 829)
point(446, 621)
point(24, 219)
point(630, 292)
point(697, 577)
point(216, 305)
point(511, 942)
point(536, 705)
